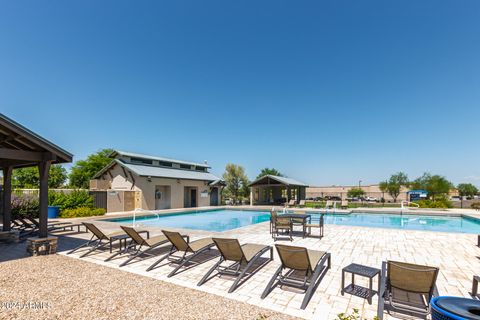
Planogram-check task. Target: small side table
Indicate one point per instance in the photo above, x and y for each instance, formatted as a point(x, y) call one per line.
point(364, 271)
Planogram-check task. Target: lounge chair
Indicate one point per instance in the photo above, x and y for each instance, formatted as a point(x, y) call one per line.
point(280, 224)
point(314, 264)
point(315, 224)
point(53, 226)
point(406, 287)
point(242, 256)
point(179, 244)
point(344, 204)
point(98, 240)
point(301, 204)
point(137, 243)
point(291, 203)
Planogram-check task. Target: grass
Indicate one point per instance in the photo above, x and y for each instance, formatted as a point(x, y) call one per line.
point(352, 205)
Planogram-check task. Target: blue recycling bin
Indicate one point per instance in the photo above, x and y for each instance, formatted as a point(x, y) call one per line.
point(455, 308)
point(53, 212)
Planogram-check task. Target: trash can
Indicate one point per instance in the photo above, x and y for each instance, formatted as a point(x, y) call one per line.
point(53, 212)
point(455, 308)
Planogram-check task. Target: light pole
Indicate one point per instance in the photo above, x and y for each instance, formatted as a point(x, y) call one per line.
point(359, 184)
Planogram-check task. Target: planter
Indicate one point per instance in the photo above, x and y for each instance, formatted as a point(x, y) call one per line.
point(53, 212)
point(455, 308)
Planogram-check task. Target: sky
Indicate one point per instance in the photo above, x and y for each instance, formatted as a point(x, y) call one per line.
point(326, 92)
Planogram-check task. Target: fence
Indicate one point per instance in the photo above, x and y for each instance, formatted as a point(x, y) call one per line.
point(35, 192)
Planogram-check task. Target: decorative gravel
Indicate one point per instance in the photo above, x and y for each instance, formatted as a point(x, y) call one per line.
point(58, 287)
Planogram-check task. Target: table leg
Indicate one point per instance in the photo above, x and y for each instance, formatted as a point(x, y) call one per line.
point(343, 282)
point(353, 280)
point(370, 288)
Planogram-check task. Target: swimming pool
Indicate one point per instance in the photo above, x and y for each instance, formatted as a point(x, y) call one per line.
point(222, 220)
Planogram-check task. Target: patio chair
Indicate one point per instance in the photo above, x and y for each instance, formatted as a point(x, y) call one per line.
point(313, 264)
point(51, 226)
point(280, 224)
point(315, 224)
point(98, 240)
point(291, 203)
point(344, 204)
point(179, 244)
point(137, 243)
point(406, 287)
point(242, 256)
point(301, 204)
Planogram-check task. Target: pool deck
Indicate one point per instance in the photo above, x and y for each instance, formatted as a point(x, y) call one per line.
point(455, 254)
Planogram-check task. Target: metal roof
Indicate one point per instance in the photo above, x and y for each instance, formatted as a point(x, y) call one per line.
point(282, 180)
point(144, 156)
point(160, 172)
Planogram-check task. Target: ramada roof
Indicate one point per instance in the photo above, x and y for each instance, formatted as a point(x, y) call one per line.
point(159, 172)
point(271, 179)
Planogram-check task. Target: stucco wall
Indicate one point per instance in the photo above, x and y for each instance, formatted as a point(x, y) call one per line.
point(119, 181)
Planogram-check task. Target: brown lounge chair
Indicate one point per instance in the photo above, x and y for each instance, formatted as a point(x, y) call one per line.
point(242, 256)
point(406, 287)
point(315, 224)
point(280, 224)
point(344, 204)
point(98, 240)
point(314, 264)
point(179, 244)
point(291, 203)
point(301, 204)
point(137, 243)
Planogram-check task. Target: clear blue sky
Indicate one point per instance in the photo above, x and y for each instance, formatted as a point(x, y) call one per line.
point(328, 92)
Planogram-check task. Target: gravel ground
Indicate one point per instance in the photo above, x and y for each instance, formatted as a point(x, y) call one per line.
point(73, 289)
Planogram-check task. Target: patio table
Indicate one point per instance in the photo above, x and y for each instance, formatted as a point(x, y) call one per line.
point(302, 216)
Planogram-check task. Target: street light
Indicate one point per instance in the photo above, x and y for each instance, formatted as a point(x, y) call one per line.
point(359, 184)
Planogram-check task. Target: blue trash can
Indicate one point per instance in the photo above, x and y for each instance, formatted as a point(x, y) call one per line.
point(455, 308)
point(53, 212)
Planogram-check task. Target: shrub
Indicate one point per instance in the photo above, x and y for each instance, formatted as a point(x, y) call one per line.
point(440, 203)
point(25, 206)
point(72, 200)
point(475, 205)
point(81, 212)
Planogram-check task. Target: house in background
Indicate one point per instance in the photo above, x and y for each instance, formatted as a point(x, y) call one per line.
point(133, 181)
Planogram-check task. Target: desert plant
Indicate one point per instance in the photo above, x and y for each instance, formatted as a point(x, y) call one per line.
point(25, 206)
point(355, 315)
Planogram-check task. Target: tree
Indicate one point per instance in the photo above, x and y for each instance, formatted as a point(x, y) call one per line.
point(84, 170)
point(236, 180)
point(355, 193)
point(272, 171)
point(394, 184)
point(435, 185)
point(466, 190)
point(29, 177)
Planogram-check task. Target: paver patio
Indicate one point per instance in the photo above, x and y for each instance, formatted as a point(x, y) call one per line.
point(455, 254)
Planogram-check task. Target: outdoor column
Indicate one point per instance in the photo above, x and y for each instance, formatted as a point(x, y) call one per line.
point(251, 196)
point(7, 198)
point(43, 168)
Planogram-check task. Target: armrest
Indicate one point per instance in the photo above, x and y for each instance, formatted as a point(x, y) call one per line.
point(381, 293)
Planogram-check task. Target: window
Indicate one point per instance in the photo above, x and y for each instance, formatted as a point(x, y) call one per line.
point(141, 161)
point(164, 163)
point(185, 166)
point(202, 169)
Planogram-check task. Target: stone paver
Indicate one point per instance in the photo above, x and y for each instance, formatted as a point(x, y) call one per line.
point(455, 254)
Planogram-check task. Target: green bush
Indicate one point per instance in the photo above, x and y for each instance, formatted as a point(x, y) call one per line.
point(440, 203)
point(81, 212)
point(25, 206)
point(72, 200)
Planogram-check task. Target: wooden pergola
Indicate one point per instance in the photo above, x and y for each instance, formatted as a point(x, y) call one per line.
point(20, 148)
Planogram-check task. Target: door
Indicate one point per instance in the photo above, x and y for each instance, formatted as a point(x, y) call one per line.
point(193, 197)
point(214, 197)
point(162, 197)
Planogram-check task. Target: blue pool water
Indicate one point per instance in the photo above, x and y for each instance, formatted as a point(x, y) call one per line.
point(221, 220)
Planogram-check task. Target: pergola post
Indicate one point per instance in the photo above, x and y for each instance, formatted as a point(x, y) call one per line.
point(44, 169)
point(7, 197)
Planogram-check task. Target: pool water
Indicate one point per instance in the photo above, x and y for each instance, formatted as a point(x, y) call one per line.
point(222, 220)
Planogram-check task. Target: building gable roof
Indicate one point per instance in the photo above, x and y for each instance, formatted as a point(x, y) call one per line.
point(267, 179)
point(159, 172)
point(144, 156)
